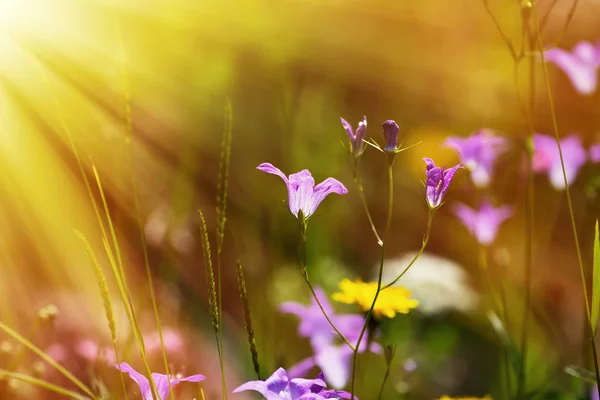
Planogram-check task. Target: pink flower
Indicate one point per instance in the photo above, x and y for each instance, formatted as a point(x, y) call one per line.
point(546, 158)
point(581, 65)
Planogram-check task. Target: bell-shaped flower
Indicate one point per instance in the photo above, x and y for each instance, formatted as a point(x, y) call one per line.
point(581, 65)
point(483, 223)
point(595, 153)
point(161, 381)
point(478, 153)
point(437, 182)
point(279, 387)
point(546, 158)
point(303, 195)
point(390, 133)
point(356, 138)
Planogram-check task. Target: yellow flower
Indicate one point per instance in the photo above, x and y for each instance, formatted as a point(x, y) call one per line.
point(465, 398)
point(389, 302)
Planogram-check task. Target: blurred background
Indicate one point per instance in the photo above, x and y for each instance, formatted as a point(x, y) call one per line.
point(290, 69)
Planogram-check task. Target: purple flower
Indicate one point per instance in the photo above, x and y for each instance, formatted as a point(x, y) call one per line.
point(356, 138)
point(160, 381)
point(390, 132)
point(478, 154)
point(546, 158)
point(315, 326)
point(595, 153)
point(581, 66)
point(483, 223)
point(437, 182)
point(279, 387)
point(333, 360)
point(302, 192)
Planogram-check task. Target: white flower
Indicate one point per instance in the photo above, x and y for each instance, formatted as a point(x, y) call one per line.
point(439, 284)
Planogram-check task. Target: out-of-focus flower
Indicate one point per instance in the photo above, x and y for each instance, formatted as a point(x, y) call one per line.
point(303, 195)
point(439, 284)
point(279, 387)
point(315, 326)
point(478, 153)
point(389, 302)
point(595, 153)
point(390, 133)
point(465, 398)
point(437, 182)
point(356, 138)
point(483, 223)
point(581, 66)
point(91, 351)
point(546, 158)
point(161, 381)
point(332, 359)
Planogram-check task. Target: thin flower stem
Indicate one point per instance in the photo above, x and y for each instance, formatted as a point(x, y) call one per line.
point(363, 201)
point(416, 257)
point(568, 193)
point(386, 233)
point(302, 260)
point(505, 38)
point(136, 201)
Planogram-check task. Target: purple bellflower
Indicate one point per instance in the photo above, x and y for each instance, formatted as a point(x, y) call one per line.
point(437, 182)
point(279, 387)
point(356, 138)
point(546, 158)
point(332, 358)
point(483, 223)
point(581, 65)
point(478, 153)
point(390, 132)
point(303, 195)
point(595, 153)
point(160, 381)
point(315, 326)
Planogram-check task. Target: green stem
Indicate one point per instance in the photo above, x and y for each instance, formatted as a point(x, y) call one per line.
point(416, 257)
point(302, 260)
point(386, 233)
point(363, 201)
point(568, 193)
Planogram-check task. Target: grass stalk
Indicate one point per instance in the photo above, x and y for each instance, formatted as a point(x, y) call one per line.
point(41, 384)
point(247, 317)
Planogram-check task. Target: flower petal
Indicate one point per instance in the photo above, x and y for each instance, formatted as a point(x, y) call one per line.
point(322, 190)
point(278, 381)
point(335, 361)
point(301, 368)
point(271, 169)
point(348, 129)
point(140, 379)
point(258, 386)
point(583, 75)
point(300, 188)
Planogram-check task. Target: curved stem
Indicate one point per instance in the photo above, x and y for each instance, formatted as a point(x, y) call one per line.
point(302, 260)
point(568, 193)
point(386, 233)
point(363, 201)
point(416, 257)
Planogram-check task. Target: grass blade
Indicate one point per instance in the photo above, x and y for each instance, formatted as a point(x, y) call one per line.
point(107, 304)
point(15, 335)
point(247, 317)
point(223, 177)
point(42, 384)
point(596, 283)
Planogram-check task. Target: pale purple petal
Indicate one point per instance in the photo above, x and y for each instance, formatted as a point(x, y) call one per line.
point(335, 362)
point(257, 386)
point(300, 191)
point(348, 129)
point(581, 72)
point(140, 379)
point(595, 153)
point(587, 53)
point(162, 385)
point(547, 158)
point(322, 190)
point(484, 223)
point(278, 381)
point(271, 169)
point(478, 153)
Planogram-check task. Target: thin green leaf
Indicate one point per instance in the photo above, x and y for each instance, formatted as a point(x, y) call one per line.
point(41, 383)
point(596, 283)
point(581, 373)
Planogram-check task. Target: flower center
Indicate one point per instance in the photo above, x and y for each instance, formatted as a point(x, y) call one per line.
point(284, 394)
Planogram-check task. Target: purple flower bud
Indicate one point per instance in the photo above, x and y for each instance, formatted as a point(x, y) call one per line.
point(390, 132)
point(356, 138)
point(437, 182)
